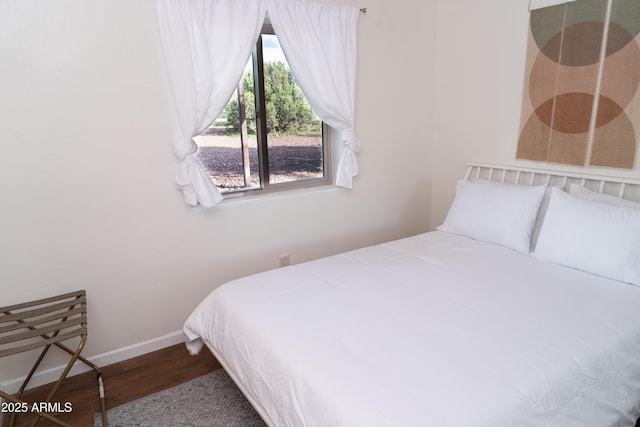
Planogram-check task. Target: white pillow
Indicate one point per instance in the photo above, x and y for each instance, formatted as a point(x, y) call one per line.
point(590, 236)
point(583, 193)
point(494, 212)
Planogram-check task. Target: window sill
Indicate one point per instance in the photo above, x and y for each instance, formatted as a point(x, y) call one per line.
point(249, 198)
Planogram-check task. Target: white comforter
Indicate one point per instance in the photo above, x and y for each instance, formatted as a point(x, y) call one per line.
point(432, 330)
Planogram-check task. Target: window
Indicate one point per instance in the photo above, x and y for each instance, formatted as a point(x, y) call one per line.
point(268, 136)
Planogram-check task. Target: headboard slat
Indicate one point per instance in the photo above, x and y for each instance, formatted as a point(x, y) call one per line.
point(626, 188)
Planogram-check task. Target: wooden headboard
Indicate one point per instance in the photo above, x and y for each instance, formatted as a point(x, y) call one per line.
point(626, 188)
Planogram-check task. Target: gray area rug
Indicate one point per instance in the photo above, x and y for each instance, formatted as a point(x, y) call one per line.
point(209, 401)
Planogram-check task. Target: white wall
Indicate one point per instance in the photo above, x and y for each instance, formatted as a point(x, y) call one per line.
point(480, 71)
point(87, 169)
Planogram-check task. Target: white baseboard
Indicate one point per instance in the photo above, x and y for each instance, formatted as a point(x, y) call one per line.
point(104, 359)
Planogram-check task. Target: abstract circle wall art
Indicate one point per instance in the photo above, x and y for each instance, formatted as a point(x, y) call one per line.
point(581, 103)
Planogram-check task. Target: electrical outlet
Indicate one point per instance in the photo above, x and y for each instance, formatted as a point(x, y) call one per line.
point(284, 260)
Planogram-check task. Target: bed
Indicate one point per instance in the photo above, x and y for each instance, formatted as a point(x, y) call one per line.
point(521, 309)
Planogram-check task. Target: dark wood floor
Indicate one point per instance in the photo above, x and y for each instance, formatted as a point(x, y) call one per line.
point(124, 381)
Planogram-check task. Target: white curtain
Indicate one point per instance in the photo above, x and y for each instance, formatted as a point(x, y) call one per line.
point(206, 45)
point(319, 42)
